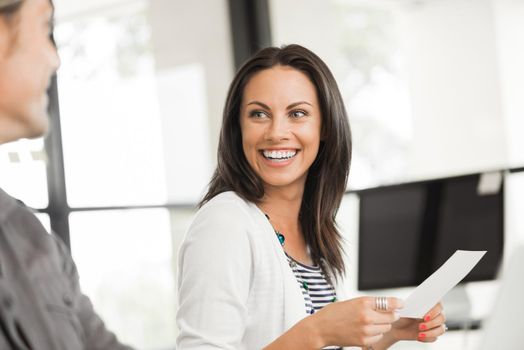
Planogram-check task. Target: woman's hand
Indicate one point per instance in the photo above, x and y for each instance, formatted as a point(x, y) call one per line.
point(425, 330)
point(355, 322)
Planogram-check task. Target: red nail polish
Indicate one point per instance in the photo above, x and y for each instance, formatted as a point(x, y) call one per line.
point(427, 318)
point(422, 327)
point(422, 335)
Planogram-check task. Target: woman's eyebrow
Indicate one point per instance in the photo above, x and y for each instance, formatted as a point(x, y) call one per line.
point(298, 104)
point(263, 105)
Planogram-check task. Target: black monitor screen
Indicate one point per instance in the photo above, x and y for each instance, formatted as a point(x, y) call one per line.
point(408, 231)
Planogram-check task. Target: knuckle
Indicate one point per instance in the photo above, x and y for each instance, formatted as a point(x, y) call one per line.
point(366, 330)
point(366, 319)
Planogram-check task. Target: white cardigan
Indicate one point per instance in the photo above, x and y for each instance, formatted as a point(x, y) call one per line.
point(235, 287)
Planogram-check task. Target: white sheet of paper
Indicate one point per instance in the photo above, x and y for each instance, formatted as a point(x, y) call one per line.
point(433, 289)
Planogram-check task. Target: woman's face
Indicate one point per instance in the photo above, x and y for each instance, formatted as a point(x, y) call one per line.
point(28, 60)
point(280, 122)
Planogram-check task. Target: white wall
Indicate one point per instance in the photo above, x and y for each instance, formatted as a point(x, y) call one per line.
point(509, 26)
point(310, 23)
point(456, 102)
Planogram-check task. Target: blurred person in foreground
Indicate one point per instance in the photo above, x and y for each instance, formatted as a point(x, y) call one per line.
point(41, 304)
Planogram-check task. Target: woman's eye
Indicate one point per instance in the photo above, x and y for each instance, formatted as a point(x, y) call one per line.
point(298, 114)
point(257, 114)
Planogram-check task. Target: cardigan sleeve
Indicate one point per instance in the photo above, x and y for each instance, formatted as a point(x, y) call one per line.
point(214, 274)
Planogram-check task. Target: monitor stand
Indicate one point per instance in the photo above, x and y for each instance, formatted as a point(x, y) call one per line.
point(457, 308)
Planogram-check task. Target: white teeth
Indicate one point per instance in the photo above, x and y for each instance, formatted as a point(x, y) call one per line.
point(279, 154)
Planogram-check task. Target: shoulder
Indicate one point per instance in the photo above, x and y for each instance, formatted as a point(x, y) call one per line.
point(35, 247)
point(228, 198)
point(225, 218)
point(25, 231)
point(227, 205)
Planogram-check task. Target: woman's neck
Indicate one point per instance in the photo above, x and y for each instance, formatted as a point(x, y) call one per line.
point(283, 208)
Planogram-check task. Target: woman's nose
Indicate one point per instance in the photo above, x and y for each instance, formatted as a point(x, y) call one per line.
point(278, 130)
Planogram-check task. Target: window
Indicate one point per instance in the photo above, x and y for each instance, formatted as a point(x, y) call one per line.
point(420, 85)
point(125, 262)
point(140, 105)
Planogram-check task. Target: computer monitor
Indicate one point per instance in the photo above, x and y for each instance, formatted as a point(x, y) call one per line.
point(408, 231)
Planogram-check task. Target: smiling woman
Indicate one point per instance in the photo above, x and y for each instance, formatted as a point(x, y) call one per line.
point(279, 79)
point(264, 251)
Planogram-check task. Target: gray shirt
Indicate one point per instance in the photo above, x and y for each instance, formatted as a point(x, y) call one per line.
point(41, 304)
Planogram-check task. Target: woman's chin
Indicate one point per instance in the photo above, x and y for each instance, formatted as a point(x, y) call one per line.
point(285, 182)
point(37, 123)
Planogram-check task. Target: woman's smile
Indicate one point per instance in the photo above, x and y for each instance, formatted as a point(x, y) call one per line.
point(279, 157)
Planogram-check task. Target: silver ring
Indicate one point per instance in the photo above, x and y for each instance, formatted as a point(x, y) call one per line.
point(445, 327)
point(381, 303)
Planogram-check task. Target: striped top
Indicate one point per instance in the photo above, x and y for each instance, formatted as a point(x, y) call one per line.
point(317, 291)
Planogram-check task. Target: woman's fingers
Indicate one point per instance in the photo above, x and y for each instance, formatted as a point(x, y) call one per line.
point(432, 334)
point(434, 312)
point(433, 325)
point(384, 317)
point(385, 304)
point(385, 314)
point(427, 340)
point(360, 324)
point(436, 322)
point(376, 329)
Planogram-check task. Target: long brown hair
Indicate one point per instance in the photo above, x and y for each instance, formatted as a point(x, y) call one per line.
point(327, 176)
